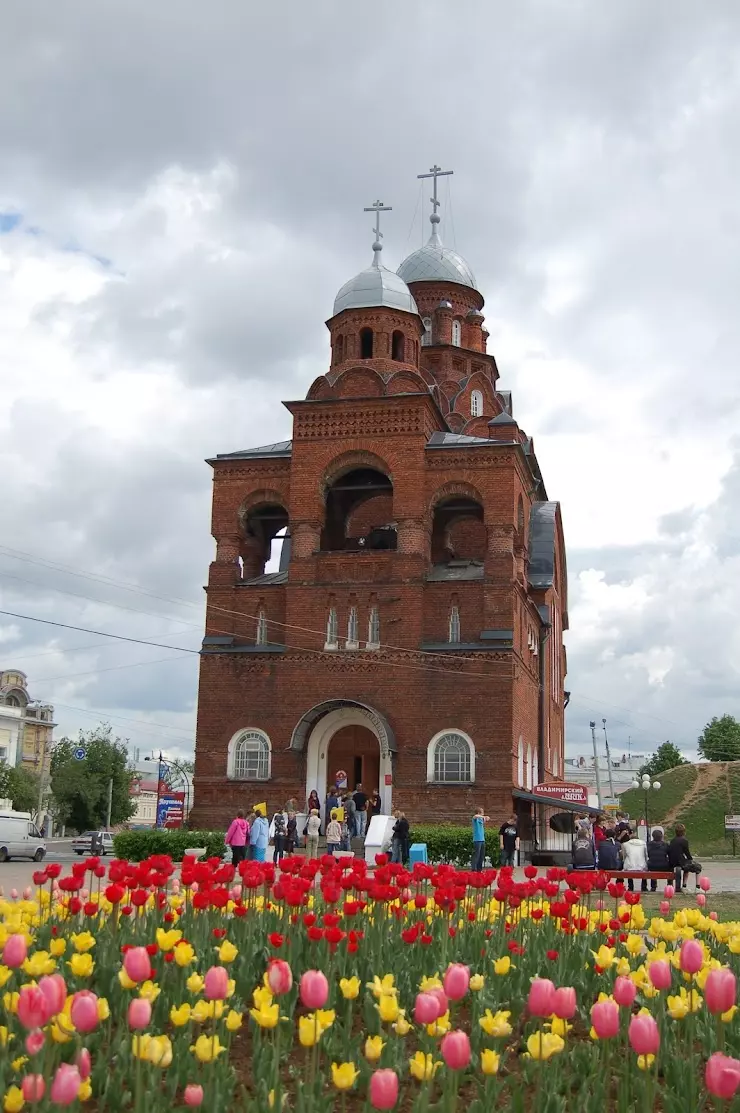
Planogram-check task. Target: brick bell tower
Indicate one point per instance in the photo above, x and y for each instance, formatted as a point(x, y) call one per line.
point(412, 636)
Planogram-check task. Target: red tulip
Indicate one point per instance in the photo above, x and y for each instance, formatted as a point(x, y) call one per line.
point(720, 990)
point(216, 983)
point(605, 1019)
point(314, 989)
point(383, 1089)
point(279, 977)
point(137, 964)
point(456, 981)
point(564, 1004)
point(139, 1013)
point(625, 992)
point(541, 997)
point(15, 951)
point(722, 1076)
point(455, 1048)
point(660, 974)
point(644, 1036)
point(692, 956)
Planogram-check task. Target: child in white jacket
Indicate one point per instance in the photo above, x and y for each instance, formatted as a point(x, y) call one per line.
point(333, 834)
point(635, 859)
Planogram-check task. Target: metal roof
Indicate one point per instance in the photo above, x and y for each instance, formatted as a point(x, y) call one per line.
point(279, 448)
point(436, 263)
point(266, 579)
point(457, 440)
point(553, 802)
point(541, 571)
point(375, 286)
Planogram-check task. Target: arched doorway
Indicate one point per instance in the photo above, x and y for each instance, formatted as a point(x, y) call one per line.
point(364, 742)
point(354, 750)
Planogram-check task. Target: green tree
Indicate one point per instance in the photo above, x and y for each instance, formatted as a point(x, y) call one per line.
point(665, 757)
point(80, 788)
point(20, 786)
point(720, 739)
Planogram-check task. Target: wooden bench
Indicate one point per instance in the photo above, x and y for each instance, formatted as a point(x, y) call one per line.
point(641, 875)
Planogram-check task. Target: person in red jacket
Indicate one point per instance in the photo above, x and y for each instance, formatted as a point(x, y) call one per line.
point(599, 833)
point(237, 837)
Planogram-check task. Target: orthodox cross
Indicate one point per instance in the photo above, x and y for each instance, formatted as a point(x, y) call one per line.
point(435, 172)
point(378, 207)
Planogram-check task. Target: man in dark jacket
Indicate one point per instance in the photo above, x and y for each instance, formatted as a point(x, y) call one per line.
point(680, 858)
point(609, 855)
point(658, 859)
point(583, 853)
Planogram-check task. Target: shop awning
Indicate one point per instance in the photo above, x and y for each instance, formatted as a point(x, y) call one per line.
point(554, 802)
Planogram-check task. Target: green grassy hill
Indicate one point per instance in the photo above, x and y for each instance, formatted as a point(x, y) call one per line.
point(699, 796)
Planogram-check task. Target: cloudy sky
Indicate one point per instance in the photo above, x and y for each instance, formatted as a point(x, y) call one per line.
point(181, 196)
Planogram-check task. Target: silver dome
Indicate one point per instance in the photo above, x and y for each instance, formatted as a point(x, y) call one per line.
point(436, 263)
point(375, 286)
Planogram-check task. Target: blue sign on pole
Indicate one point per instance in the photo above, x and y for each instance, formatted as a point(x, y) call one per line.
point(80, 753)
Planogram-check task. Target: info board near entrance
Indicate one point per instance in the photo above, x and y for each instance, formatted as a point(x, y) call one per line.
point(572, 793)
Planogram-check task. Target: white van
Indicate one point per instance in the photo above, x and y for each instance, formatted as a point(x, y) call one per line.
point(19, 837)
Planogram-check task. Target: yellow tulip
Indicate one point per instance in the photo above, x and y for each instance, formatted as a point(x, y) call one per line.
point(344, 1075)
point(207, 1010)
point(374, 1048)
point(423, 1067)
point(309, 1031)
point(58, 947)
point(150, 991)
point(623, 968)
point(678, 1007)
point(227, 952)
point(734, 943)
point(604, 957)
point(19, 1063)
point(207, 1048)
point(350, 988)
point(262, 996)
point(477, 982)
point(388, 1008)
point(559, 1027)
point(267, 1016)
point(489, 1061)
point(81, 966)
point(634, 944)
point(195, 982)
point(496, 1024)
point(233, 1020)
point(10, 1001)
point(156, 1050)
point(503, 965)
point(38, 964)
point(543, 1045)
point(184, 954)
point(645, 1062)
point(402, 1026)
point(125, 981)
point(180, 1016)
point(435, 982)
point(727, 1017)
point(13, 1101)
point(440, 1026)
point(5, 975)
point(325, 1018)
point(83, 941)
point(103, 1009)
point(381, 986)
point(140, 1046)
point(5, 1036)
point(168, 940)
point(85, 1091)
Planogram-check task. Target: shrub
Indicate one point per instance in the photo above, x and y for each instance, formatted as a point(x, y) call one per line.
point(453, 844)
point(135, 846)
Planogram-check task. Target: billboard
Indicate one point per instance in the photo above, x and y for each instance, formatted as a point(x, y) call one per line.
point(563, 790)
point(171, 810)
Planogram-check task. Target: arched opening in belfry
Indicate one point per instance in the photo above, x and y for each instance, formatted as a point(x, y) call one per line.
point(458, 531)
point(397, 346)
point(359, 512)
point(339, 349)
point(366, 343)
point(264, 526)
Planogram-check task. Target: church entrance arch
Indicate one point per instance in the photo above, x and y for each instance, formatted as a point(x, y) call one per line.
point(351, 738)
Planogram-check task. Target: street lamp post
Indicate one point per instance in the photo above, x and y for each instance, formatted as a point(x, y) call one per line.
point(646, 784)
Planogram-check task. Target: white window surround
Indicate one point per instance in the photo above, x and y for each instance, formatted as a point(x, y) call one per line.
point(332, 630)
point(453, 635)
point(456, 333)
point(373, 629)
point(520, 763)
point(460, 735)
point(426, 337)
point(476, 404)
point(249, 756)
point(353, 637)
point(261, 638)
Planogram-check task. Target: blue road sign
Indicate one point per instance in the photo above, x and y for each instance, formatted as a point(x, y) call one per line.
point(80, 753)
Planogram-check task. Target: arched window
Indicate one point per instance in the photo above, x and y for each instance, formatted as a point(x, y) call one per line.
point(520, 515)
point(352, 631)
point(373, 629)
point(451, 758)
point(397, 346)
point(454, 625)
point(261, 638)
point(476, 404)
point(339, 350)
point(456, 333)
point(530, 768)
point(366, 343)
point(520, 763)
point(426, 338)
point(332, 629)
point(249, 756)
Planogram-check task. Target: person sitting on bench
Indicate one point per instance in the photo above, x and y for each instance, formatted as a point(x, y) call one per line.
point(658, 860)
point(635, 859)
point(680, 858)
point(610, 852)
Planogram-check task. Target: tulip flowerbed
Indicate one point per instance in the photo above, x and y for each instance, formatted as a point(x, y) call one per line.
point(331, 986)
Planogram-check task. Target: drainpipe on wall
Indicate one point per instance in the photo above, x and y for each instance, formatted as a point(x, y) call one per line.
point(545, 629)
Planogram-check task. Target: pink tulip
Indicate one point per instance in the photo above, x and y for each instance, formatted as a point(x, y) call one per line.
point(600, 905)
point(314, 989)
point(456, 981)
point(176, 885)
point(564, 1005)
point(644, 1035)
point(660, 974)
point(441, 997)
point(83, 1062)
point(27, 892)
point(701, 899)
point(193, 1094)
point(14, 894)
point(541, 997)
point(279, 977)
point(216, 983)
point(15, 951)
point(383, 1089)
point(669, 892)
point(722, 1076)
point(137, 964)
point(624, 992)
point(33, 1088)
point(35, 1041)
point(692, 956)
point(713, 916)
point(426, 1009)
point(665, 908)
point(84, 1011)
point(139, 1013)
point(704, 883)
point(54, 990)
point(720, 990)
point(455, 1048)
point(66, 1085)
point(605, 1019)
point(33, 1008)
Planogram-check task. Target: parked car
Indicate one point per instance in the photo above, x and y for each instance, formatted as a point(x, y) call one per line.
point(19, 837)
point(83, 844)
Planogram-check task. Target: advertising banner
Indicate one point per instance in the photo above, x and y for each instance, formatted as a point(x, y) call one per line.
point(563, 790)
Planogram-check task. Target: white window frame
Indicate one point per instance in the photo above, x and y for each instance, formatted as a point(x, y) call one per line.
point(265, 751)
point(353, 635)
point(432, 756)
point(476, 403)
point(373, 629)
point(520, 763)
point(453, 626)
point(426, 336)
point(457, 333)
point(261, 638)
point(332, 630)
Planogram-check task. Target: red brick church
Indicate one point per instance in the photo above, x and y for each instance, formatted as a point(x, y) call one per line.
point(412, 634)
